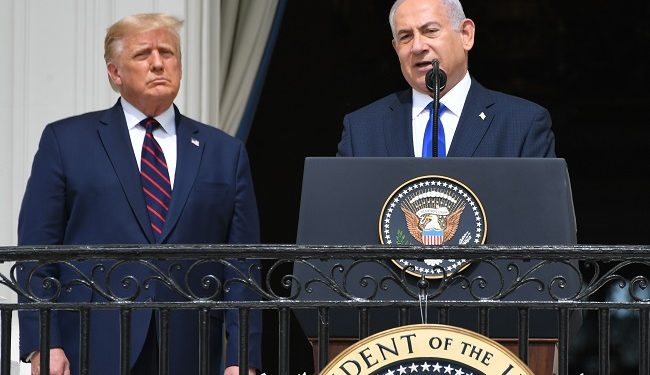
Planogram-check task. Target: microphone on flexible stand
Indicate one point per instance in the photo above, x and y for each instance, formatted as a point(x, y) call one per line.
point(435, 80)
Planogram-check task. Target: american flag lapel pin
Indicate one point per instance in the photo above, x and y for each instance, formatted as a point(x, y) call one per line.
point(195, 142)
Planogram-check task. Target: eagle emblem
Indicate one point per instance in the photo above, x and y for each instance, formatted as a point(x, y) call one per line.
point(432, 225)
point(432, 211)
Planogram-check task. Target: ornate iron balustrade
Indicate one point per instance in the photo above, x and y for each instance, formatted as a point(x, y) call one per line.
point(624, 267)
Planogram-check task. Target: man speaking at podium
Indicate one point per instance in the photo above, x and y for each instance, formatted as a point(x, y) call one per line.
point(474, 121)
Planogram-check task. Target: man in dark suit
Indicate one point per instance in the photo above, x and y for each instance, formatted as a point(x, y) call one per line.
point(474, 121)
point(138, 173)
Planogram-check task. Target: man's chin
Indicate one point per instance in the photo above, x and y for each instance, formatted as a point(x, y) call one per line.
point(162, 93)
point(421, 88)
point(419, 85)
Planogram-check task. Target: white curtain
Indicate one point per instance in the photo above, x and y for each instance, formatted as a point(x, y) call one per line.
point(245, 28)
point(226, 40)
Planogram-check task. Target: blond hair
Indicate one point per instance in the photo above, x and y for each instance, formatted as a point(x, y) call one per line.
point(136, 24)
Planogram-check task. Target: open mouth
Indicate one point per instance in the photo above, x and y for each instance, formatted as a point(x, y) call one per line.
point(423, 65)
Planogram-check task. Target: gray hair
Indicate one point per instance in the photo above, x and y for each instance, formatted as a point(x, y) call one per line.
point(454, 11)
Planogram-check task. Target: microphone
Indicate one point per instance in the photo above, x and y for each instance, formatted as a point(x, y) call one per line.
point(430, 77)
point(435, 80)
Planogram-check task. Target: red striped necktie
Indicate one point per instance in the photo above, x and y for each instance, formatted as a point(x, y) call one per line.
point(156, 186)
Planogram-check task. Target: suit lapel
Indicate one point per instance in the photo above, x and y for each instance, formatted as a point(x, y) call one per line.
point(473, 123)
point(189, 151)
point(398, 131)
point(114, 136)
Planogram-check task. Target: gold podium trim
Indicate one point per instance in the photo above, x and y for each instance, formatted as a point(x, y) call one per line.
point(428, 345)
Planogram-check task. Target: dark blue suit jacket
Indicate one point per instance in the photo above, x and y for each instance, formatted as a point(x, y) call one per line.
point(512, 127)
point(85, 189)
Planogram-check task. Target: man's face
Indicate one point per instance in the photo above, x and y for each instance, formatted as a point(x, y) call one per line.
point(148, 70)
point(423, 32)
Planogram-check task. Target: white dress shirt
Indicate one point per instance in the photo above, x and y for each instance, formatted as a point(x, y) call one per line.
point(454, 100)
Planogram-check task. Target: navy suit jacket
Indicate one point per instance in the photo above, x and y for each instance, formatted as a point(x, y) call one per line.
point(511, 127)
point(85, 188)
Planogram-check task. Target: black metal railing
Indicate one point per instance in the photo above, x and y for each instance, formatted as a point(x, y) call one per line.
point(327, 277)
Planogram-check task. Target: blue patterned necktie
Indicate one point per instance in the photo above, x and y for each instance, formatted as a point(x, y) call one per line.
point(426, 144)
point(156, 186)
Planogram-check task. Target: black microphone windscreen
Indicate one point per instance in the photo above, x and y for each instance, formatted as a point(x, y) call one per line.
point(429, 81)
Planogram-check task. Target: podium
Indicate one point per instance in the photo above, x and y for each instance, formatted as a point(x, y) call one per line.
point(526, 201)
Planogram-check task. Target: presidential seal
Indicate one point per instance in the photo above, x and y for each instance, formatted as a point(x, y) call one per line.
point(432, 211)
point(426, 349)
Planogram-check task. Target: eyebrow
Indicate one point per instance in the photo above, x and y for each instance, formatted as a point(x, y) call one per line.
point(429, 24)
point(146, 47)
point(423, 26)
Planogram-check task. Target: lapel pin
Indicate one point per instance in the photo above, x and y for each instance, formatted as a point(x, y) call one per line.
point(482, 116)
point(195, 142)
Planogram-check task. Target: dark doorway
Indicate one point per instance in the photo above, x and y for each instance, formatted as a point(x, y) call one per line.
point(585, 61)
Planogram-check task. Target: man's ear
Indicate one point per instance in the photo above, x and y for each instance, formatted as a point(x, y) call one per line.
point(467, 29)
point(114, 74)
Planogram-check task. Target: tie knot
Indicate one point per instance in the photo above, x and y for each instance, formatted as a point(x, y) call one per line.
point(441, 108)
point(150, 124)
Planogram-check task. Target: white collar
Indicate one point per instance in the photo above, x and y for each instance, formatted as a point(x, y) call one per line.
point(134, 116)
point(454, 99)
